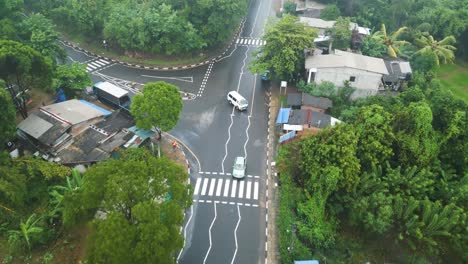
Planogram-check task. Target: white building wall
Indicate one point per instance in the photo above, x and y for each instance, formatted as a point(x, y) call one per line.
point(364, 80)
point(366, 83)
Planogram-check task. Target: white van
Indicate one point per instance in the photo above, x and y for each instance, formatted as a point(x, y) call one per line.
point(237, 100)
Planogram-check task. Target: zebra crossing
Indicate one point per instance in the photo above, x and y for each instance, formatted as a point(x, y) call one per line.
point(226, 189)
point(250, 42)
point(97, 64)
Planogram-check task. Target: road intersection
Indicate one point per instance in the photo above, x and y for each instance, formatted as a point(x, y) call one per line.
point(227, 221)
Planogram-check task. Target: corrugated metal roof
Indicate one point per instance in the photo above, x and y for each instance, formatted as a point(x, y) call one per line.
point(35, 126)
point(111, 89)
point(343, 59)
point(283, 116)
point(73, 111)
point(314, 101)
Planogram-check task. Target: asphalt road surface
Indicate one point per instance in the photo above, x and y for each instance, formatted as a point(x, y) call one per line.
point(226, 223)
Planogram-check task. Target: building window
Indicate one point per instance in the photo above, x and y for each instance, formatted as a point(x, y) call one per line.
point(352, 78)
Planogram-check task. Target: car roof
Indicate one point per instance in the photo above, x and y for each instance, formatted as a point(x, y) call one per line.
point(239, 159)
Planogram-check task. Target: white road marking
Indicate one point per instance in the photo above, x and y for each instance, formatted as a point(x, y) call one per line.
point(205, 184)
point(235, 234)
point(91, 65)
point(226, 188)
point(255, 191)
point(241, 189)
point(234, 187)
point(219, 187)
point(197, 186)
point(185, 232)
point(209, 231)
point(100, 63)
point(247, 192)
point(212, 186)
point(237, 41)
point(103, 61)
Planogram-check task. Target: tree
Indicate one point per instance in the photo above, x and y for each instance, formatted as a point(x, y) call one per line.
point(283, 54)
point(376, 137)
point(331, 12)
point(159, 106)
point(72, 78)
point(443, 49)
point(390, 40)
point(22, 68)
point(155, 29)
point(7, 118)
point(289, 8)
point(341, 34)
point(373, 48)
point(142, 198)
point(39, 33)
point(215, 20)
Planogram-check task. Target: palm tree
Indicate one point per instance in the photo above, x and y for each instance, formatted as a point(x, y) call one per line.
point(390, 41)
point(443, 49)
point(27, 229)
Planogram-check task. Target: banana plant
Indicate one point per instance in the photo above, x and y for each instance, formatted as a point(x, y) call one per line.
point(26, 230)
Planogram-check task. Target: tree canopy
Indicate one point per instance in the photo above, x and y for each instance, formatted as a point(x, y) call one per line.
point(23, 68)
point(7, 118)
point(142, 199)
point(394, 174)
point(158, 106)
point(283, 53)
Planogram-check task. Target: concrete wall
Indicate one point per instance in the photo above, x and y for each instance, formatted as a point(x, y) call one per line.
point(367, 81)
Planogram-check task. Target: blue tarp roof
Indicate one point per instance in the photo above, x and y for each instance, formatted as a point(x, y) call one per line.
point(306, 262)
point(283, 116)
point(287, 136)
point(106, 112)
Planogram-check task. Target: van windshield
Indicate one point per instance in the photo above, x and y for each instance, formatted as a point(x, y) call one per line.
point(243, 102)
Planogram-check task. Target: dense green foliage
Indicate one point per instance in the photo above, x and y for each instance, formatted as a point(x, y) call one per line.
point(440, 18)
point(395, 174)
point(23, 68)
point(341, 34)
point(161, 26)
point(140, 200)
point(72, 78)
point(158, 106)
point(7, 118)
point(283, 54)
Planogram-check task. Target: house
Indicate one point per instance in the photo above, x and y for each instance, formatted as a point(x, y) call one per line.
point(78, 132)
point(362, 72)
point(301, 122)
point(399, 72)
point(53, 125)
point(323, 26)
point(306, 101)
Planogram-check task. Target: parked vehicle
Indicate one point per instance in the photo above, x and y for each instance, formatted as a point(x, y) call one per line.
point(237, 100)
point(112, 94)
point(239, 167)
point(265, 76)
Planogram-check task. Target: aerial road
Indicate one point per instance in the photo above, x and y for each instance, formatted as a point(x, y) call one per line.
point(227, 221)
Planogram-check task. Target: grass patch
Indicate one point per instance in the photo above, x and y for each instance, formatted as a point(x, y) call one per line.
point(454, 77)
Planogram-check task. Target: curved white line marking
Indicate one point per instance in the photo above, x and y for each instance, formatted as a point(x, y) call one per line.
point(185, 232)
point(235, 234)
point(225, 145)
point(209, 231)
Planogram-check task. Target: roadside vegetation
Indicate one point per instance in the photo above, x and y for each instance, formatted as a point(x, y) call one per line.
point(146, 29)
point(390, 183)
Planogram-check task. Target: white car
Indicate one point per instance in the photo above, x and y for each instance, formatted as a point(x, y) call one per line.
point(237, 100)
point(238, 170)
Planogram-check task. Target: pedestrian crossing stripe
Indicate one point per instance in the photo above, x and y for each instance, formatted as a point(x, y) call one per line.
point(250, 42)
point(96, 64)
point(215, 187)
